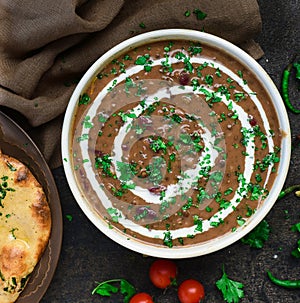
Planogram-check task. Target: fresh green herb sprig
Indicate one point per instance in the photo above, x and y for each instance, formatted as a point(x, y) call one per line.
point(108, 288)
point(258, 236)
point(232, 290)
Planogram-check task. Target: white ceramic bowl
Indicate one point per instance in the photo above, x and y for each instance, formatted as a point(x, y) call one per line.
point(205, 247)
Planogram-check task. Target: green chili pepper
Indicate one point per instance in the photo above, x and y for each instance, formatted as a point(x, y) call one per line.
point(288, 190)
point(285, 89)
point(284, 283)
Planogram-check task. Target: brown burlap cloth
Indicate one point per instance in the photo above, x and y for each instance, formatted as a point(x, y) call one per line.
point(46, 46)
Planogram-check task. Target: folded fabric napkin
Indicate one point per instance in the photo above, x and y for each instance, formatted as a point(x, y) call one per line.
point(46, 46)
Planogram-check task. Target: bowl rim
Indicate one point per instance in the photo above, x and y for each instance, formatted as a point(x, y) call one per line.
point(204, 247)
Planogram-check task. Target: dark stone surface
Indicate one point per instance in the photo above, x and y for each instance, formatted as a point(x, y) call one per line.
point(88, 256)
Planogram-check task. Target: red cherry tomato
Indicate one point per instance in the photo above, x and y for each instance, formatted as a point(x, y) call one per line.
point(191, 291)
point(162, 273)
point(141, 297)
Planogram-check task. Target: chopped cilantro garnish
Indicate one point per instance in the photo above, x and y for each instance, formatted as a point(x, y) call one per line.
point(87, 123)
point(104, 163)
point(198, 222)
point(84, 99)
point(82, 138)
point(126, 115)
point(195, 49)
point(144, 60)
point(168, 241)
point(209, 79)
point(158, 144)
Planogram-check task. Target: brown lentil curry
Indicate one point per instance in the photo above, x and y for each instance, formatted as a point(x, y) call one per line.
point(175, 143)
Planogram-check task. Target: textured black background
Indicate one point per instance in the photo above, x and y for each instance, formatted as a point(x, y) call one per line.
point(88, 256)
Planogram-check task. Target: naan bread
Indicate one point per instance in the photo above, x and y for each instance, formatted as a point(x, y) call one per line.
point(25, 225)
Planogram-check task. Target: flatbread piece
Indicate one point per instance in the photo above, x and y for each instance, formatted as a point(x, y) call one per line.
point(25, 226)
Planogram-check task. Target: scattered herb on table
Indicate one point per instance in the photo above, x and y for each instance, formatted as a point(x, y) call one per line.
point(232, 290)
point(258, 236)
point(108, 288)
point(69, 217)
point(187, 13)
point(199, 14)
point(142, 25)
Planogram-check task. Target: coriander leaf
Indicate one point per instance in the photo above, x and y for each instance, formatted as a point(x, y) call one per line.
point(105, 289)
point(258, 236)
point(127, 290)
point(232, 290)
